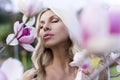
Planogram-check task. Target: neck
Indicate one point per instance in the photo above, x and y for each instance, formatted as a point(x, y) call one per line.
point(61, 56)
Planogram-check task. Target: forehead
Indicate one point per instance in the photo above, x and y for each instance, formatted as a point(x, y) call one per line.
point(47, 14)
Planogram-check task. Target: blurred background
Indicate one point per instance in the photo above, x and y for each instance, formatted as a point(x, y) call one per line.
point(8, 15)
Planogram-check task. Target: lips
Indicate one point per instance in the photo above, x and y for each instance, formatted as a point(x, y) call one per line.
point(47, 36)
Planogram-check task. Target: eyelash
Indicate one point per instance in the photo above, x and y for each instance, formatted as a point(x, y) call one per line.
point(41, 27)
point(55, 20)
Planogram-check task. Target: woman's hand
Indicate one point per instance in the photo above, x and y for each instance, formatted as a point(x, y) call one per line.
point(30, 75)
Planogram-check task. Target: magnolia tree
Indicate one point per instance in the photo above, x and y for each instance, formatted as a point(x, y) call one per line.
point(24, 32)
point(23, 35)
point(99, 36)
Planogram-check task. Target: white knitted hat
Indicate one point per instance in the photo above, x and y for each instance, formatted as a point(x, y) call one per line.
point(68, 15)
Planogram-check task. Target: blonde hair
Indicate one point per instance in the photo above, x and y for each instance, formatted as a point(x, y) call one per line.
point(43, 56)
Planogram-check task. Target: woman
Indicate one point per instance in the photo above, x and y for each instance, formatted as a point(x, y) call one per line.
point(54, 51)
point(56, 46)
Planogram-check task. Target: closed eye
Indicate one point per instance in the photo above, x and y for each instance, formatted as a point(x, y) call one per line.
point(55, 20)
point(41, 27)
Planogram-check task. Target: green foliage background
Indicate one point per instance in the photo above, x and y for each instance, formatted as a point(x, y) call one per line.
point(6, 27)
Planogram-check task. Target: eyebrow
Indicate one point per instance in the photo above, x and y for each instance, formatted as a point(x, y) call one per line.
point(53, 16)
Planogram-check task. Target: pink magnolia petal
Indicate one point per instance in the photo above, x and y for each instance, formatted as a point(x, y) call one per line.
point(34, 8)
point(22, 5)
point(18, 28)
point(114, 17)
point(13, 69)
point(33, 31)
point(28, 47)
point(37, 7)
point(10, 37)
point(27, 39)
point(30, 9)
point(2, 75)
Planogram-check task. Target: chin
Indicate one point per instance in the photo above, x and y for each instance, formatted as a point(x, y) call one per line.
point(49, 45)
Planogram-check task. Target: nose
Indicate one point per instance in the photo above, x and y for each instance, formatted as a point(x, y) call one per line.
point(47, 27)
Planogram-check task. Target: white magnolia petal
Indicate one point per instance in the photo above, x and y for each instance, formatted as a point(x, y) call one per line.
point(31, 21)
point(28, 47)
point(80, 76)
point(112, 2)
point(16, 28)
point(13, 69)
point(24, 18)
point(9, 38)
point(80, 57)
point(113, 55)
point(118, 68)
point(33, 31)
point(2, 75)
point(37, 7)
point(22, 6)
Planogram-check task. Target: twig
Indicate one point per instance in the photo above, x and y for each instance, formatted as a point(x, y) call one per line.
point(103, 66)
point(3, 48)
point(116, 75)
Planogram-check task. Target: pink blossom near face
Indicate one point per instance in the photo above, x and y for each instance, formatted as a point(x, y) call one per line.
point(114, 18)
point(100, 29)
point(22, 35)
point(30, 8)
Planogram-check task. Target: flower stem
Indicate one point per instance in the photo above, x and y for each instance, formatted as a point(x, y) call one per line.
point(3, 48)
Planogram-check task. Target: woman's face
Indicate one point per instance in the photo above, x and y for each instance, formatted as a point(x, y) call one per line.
point(52, 30)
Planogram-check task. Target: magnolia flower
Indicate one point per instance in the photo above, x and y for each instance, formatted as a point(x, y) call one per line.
point(84, 64)
point(23, 36)
point(30, 7)
point(100, 28)
point(79, 57)
point(80, 76)
point(11, 69)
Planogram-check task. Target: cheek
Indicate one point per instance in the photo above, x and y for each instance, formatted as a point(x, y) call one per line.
point(63, 33)
point(61, 28)
point(41, 33)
